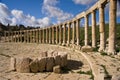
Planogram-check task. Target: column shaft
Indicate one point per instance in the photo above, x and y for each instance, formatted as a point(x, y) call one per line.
point(43, 36)
point(64, 34)
point(78, 31)
point(21, 36)
point(73, 32)
point(56, 34)
point(93, 29)
point(86, 30)
point(112, 26)
point(102, 28)
point(69, 28)
point(50, 33)
point(46, 35)
point(53, 40)
point(60, 34)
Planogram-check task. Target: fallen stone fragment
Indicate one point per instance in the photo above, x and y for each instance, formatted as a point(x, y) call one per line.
point(12, 64)
point(116, 77)
point(86, 49)
point(57, 60)
point(22, 65)
point(50, 64)
point(42, 64)
point(56, 69)
point(34, 66)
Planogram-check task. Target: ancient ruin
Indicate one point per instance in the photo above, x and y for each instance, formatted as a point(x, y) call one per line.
point(48, 61)
point(62, 31)
point(67, 35)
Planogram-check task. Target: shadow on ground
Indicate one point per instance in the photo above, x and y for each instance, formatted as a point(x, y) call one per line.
point(72, 65)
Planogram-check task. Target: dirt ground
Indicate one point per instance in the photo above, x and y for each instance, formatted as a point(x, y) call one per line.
point(76, 62)
point(78, 67)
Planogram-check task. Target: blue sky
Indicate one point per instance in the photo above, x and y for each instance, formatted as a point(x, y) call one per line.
point(44, 12)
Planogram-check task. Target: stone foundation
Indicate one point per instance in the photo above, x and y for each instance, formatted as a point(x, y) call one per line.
point(46, 62)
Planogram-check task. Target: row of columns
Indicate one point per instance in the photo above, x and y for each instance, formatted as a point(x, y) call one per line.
point(61, 34)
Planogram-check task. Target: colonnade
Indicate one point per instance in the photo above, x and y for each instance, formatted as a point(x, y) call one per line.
point(61, 33)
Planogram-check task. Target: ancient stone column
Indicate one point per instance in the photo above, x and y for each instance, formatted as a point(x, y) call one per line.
point(15, 35)
point(11, 35)
point(73, 32)
point(112, 26)
point(20, 36)
point(78, 31)
point(53, 40)
point(27, 36)
point(93, 29)
point(46, 35)
point(86, 30)
point(64, 34)
point(39, 35)
point(30, 36)
point(43, 36)
point(8, 36)
point(56, 34)
point(60, 34)
point(50, 33)
point(37, 40)
point(24, 36)
point(69, 28)
point(102, 28)
point(5, 35)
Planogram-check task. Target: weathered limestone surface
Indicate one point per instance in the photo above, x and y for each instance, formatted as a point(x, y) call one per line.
point(34, 66)
point(42, 64)
point(43, 54)
point(57, 60)
point(50, 64)
point(22, 65)
point(94, 29)
point(63, 58)
point(86, 30)
point(112, 26)
point(116, 77)
point(12, 64)
point(56, 69)
point(87, 49)
point(102, 28)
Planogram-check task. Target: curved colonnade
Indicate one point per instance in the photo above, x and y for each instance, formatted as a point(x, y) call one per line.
point(61, 33)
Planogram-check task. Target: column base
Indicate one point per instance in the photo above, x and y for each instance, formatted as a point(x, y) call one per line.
point(63, 44)
point(87, 48)
point(101, 50)
point(111, 52)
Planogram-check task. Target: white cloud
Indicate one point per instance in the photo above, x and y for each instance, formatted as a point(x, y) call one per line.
point(49, 8)
point(118, 9)
point(4, 14)
point(14, 17)
point(83, 2)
